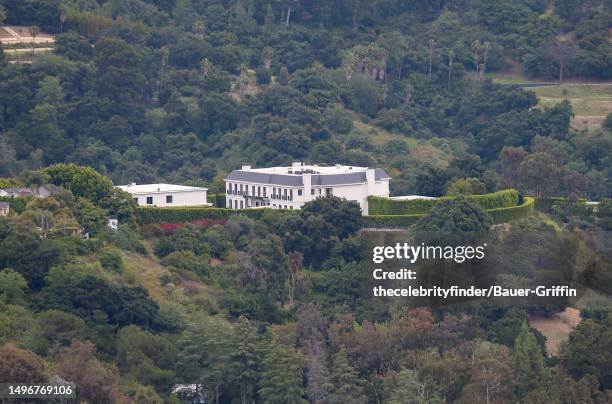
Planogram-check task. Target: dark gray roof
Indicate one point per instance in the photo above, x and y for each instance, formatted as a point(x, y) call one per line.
point(296, 180)
point(265, 178)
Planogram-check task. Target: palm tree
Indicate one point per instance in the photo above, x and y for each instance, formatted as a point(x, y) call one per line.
point(34, 31)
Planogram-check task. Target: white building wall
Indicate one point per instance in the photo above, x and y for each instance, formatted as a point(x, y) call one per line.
point(191, 198)
point(352, 192)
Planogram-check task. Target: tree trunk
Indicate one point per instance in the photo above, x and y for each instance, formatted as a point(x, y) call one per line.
point(288, 16)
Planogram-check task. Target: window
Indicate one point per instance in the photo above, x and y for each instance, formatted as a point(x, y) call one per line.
point(291, 207)
point(291, 194)
point(149, 200)
point(168, 198)
point(265, 191)
point(136, 200)
point(299, 192)
point(312, 191)
point(328, 191)
point(258, 191)
point(256, 203)
point(241, 204)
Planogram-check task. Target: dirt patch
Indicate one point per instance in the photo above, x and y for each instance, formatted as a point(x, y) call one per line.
point(556, 328)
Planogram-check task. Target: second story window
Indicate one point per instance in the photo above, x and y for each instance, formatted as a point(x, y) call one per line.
point(299, 192)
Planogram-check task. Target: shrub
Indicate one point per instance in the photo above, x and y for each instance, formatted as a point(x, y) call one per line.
point(387, 206)
point(263, 75)
point(149, 215)
point(111, 260)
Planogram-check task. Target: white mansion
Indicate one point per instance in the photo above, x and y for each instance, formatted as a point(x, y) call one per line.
point(291, 187)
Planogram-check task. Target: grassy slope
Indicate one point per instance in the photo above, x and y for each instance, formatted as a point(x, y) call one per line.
point(419, 150)
point(591, 101)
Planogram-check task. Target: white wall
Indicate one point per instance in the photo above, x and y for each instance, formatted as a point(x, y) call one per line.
point(191, 198)
point(353, 192)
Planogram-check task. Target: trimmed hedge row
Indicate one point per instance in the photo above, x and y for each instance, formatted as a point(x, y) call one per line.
point(378, 205)
point(151, 215)
point(499, 215)
point(503, 215)
point(392, 220)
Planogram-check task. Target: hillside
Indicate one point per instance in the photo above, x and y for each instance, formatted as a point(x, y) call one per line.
point(499, 110)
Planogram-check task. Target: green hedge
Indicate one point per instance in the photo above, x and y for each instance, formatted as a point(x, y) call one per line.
point(503, 215)
point(386, 206)
point(499, 215)
point(392, 220)
point(151, 215)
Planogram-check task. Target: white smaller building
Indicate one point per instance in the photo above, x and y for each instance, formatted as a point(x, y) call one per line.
point(166, 194)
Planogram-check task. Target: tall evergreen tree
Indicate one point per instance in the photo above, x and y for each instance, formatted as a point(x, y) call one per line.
point(409, 390)
point(347, 386)
point(528, 362)
point(281, 376)
point(244, 359)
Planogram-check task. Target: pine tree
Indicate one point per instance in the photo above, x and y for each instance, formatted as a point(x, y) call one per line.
point(204, 355)
point(319, 385)
point(528, 362)
point(347, 386)
point(244, 359)
point(409, 390)
point(281, 376)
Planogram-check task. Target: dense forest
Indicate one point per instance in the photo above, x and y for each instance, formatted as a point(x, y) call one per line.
point(278, 308)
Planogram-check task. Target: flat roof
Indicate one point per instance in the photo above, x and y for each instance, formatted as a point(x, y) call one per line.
point(158, 188)
point(292, 175)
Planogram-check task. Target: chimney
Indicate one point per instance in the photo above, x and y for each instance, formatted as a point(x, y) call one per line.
point(131, 184)
point(296, 164)
point(246, 168)
point(307, 182)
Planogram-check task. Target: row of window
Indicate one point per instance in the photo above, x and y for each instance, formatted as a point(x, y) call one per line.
point(235, 204)
point(150, 199)
point(262, 191)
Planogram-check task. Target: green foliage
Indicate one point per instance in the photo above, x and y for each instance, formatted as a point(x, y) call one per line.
point(82, 181)
point(17, 204)
point(111, 260)
point(186, 214)
point(467, 186)
point(145, 357)
point(528, 362)
point(588, 351)
point(92, 218)
point(347, 386)
point(281, 376)
point(263, 75)
point(386, 206)
point(10, 183)
point(12, 287)
point(509, 214)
